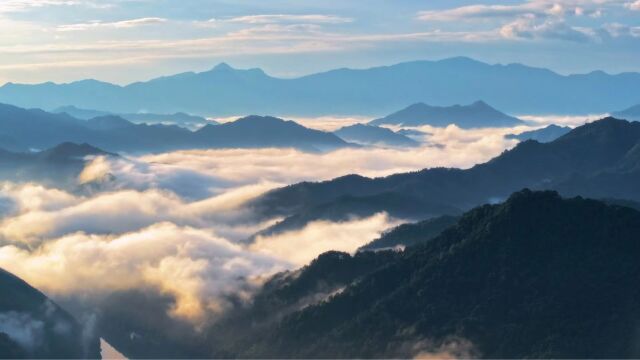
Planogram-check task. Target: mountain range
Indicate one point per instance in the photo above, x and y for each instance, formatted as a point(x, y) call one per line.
point(58, 166)
point(599, 160)
point(180, 119)
point(537, 276)
point(22, 130)
point(476, 115)
point(632, 113)
point(33, 326)
point(224, 91)
point(374, 135)
point(543, 135)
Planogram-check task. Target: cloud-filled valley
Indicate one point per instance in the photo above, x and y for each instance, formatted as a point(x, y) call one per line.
point(176, 222)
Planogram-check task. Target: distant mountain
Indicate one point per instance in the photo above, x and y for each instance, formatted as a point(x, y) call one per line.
point(181, 119)
point(535, 277)
point(374, 135)
point(21, 130)
point(224, 91)
point(58, 166)
point(600, 159)
point(546, 134)
point(476, 115)
point(32, 326)
point(266, 131)
point(632, 113)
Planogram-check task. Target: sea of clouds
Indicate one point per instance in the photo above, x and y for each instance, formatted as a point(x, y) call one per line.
point(176, 222)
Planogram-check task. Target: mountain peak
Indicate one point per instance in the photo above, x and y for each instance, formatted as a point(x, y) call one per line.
point(223, 66)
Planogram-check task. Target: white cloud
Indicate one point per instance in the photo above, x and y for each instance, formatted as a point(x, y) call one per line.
point(287, 18)
point(635, 5)
point(301, 246)
point(124, 24)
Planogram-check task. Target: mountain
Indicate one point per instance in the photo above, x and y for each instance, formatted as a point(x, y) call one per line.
point(476, 115)
point(58, 166)
point(224, 91)
point(22, 130)
point(599, 159)
point(412, 234)
point(537, 276)
point(181, 119)
point(347, 207)
point(267, 131)
point(32, 326)
point(632, 113)
point(543, 135)
point(374, 135)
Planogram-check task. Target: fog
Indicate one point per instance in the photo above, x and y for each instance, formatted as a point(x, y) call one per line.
point(177, 222)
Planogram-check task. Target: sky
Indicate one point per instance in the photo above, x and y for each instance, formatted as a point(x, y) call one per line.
point(123, 41)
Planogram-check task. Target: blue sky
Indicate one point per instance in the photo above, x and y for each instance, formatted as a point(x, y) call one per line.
point(127, 40)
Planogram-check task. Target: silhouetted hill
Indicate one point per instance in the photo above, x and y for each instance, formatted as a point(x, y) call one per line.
point(535, 277)
point(374, 135)
point(224, 91)
point(32, 326)
point(476, 115)
point(543, 135)
point(266, 131)
point(632, 113)
point(58, 166)
point(179, 118)
point(22, 129)
point(412, 234)
point(344, 208)
point(583, 153)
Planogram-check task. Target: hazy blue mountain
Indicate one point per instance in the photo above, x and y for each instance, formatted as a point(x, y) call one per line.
point(22, 129)
point(546, 134)
point(32, 326)
point(599, 159)
point(632, 113)
point(412, 132)
point(182, 119)
point(224, 91)
point(267, 131)
point(476, 115)
point(58, 166)
point(535, 277)
point(374, 135)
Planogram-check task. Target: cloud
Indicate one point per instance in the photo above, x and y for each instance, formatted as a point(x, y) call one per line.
point(528, 9)
point(317, 237)
point(141, 234)
point(198, 268)
point(635, 5)
point(550, 29)
point(124, 24)
point(533, 19)
point(22, 329)
point(287, 18)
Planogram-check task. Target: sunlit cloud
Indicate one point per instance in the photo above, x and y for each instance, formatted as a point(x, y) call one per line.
point(124, 24)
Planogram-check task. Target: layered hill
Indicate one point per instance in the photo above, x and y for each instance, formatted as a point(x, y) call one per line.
point(543, 135)
point(181, 119)
point(374, 135)
point(224, 91)
point(476, 115)
point(22, 130)
point(537, 276)
point(32, 326)
point(632, 113)
point(598, 159)
point(58, 166)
